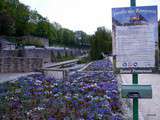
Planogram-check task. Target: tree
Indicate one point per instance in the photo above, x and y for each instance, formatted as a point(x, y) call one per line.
point(7, 24)
point(66, 37)
point(82, 39)
point(53, 36)
point(22, 18)
point(16, 19)
point(100, 42)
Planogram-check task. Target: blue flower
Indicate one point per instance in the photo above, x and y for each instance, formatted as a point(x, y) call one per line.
point(51, 118)
point(117, 117)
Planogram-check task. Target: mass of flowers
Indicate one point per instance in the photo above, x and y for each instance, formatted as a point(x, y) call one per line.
point(86, 95)
point(100, 65)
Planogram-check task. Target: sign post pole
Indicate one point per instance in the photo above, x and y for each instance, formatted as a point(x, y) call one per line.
point(132, 28)
point(135, 81)
point(133, 2)
point(135, 100)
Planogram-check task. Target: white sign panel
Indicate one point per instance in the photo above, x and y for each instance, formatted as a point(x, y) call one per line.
point(135, 37)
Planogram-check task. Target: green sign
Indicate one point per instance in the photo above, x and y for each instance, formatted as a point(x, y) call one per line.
point(136, 91)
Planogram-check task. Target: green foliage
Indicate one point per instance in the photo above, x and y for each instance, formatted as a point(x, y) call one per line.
point(16, 19)
point(84, 60)
point(82, 39)
point(65, 58)
point(67, 37)
point(60, 58)
point(22, 18)
point(7, 24)
point(100, 42)
point(32, 43)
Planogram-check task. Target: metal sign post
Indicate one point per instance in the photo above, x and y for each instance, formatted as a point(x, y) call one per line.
point(135, 100)
point(135, 81)
point(132, 28)
point(133, 2)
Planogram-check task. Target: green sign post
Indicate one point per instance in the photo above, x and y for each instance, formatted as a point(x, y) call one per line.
point(135, 81)
point(135, 100)
point(133, 2)
point(133, 27)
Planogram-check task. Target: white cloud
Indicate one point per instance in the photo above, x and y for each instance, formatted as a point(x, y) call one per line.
point(84, 15)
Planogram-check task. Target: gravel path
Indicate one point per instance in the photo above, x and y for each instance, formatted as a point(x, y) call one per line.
point(149, 108)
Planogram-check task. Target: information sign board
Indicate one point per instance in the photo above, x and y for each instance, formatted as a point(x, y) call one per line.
point(135, 39)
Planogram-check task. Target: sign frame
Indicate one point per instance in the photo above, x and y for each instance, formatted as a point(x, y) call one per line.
point(116, 24)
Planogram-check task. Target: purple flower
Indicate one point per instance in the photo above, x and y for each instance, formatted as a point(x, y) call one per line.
point(117, 117)
point(52, 118)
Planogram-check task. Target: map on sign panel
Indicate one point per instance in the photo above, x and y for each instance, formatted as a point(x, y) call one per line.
point(135, 37)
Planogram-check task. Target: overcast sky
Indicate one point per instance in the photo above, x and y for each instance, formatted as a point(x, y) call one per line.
point(84, 15)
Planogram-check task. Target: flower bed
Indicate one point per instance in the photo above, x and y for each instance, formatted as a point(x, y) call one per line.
point(85, 96)
point(100, 65)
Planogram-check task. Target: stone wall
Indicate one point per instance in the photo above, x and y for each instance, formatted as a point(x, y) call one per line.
point(38, 53)
point(5, 45)
point(49, 54)
point(45, 54)
point(19, 64)
point(9, 53)
point(28, 60)
point(28, 53)
point(69, 52)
